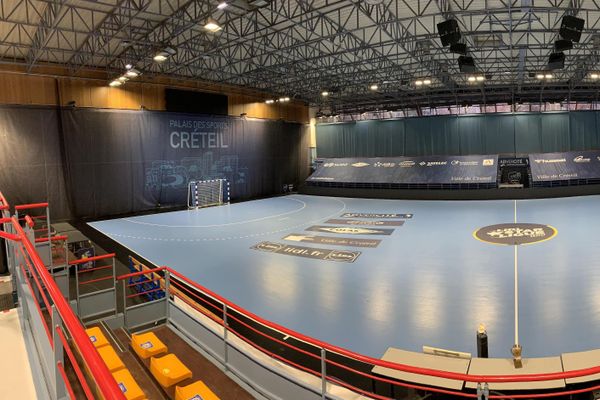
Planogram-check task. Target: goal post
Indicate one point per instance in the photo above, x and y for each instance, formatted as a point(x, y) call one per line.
point(207, 193)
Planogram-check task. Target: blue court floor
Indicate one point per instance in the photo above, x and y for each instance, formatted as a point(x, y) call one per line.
point(428, 283)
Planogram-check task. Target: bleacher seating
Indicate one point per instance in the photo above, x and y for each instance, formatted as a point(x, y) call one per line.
point(197, 390)
point(147, 345)
point(97, 337)
point(169, 370)
point(128, 385)
point(110, 358)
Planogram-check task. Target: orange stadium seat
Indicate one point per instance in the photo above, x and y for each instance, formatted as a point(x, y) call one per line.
point(97, 337)
point(128, 385)
point(169, 370)
point(110, 358)
point(147, 345)
point(196, 391)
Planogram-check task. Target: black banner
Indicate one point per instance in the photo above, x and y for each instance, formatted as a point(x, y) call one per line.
point(416, 170)
point(565, 166)
point(146, 159)
point(375, 215)
point(363, 223)
point(349, 230)
point(308, 252)
point(336, 241)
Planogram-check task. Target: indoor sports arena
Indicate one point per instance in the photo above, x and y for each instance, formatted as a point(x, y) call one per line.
point(299, 200)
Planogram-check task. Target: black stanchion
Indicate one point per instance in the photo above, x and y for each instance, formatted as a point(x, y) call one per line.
point(482, 342)
point(3, 258)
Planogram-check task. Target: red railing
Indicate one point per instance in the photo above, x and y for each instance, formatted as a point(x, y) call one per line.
point(49, 291)
point(206, 305)
point(31, 206)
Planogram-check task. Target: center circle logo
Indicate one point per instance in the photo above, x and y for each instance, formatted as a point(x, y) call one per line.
point(515, 234)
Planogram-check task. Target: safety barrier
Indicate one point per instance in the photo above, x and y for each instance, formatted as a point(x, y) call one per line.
point(329, 364)
point(95, 286)
point(332, 364)
point(61, 343)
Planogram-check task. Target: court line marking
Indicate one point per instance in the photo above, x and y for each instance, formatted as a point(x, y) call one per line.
point(227, 224)
point(233, 237)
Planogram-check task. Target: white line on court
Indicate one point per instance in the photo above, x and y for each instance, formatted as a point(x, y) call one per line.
point(288, 228)
point(516, 286)
point(227, 224)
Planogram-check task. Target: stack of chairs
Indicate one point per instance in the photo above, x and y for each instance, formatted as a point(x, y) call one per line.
point(143, 284)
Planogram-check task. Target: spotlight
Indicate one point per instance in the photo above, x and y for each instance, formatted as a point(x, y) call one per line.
point(270, 101)
point(325, 93)
point(540, 76)
point(548, 76)
point(286, 99)
point(594, 75)
point(418, 83)
point(132, 73)
point(480, 78)
point(212, 26)
point(222, 5)
point(128, 66)
point(164, 54)
point(122, 79)
point(427, 81)
point(115, 83)
point(160, 57)
point(374, 87)
point(471, 79)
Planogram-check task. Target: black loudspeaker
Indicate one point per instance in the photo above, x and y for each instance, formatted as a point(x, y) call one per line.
point(449, 32)
point(458, 48)
point(466, 64)
point(562, 45)
point(571, 28)
point(556, 61)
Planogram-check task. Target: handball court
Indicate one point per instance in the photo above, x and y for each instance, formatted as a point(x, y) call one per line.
point(368, 274)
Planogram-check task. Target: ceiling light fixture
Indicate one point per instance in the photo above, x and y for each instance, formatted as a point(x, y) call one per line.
point(222, 5)
point(164, 54)
point(427, 81)
point(325, 93)
point(418, 83)
point(471, 79)
point(594, 75)
point(540, 76)
point(132, 73)
point(270, 101)
point(115, 83)
point(212, 26)
point(548, 76)
point(374, 87)
point(128, 66)
point(480, 78)
point(122, 79)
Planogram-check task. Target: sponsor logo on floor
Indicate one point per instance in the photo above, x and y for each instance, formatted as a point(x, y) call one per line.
point(308, 252)
point(336, 241)
point(359, 222)
point(372, 215)
point(342, 230)
point(515, 234)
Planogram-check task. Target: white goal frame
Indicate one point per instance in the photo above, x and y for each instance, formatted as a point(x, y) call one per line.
point(208, 193)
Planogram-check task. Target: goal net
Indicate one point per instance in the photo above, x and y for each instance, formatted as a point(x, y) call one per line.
point(214, 192)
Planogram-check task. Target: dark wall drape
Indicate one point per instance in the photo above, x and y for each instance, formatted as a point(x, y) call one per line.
point(127, 161)
point(461, 135)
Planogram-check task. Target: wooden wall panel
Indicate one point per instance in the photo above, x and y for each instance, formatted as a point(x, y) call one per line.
point(19, 88)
